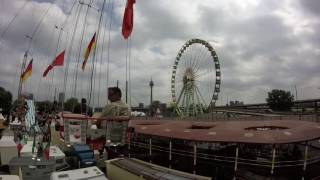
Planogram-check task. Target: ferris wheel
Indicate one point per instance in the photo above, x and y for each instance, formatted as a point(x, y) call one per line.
point(196, 78)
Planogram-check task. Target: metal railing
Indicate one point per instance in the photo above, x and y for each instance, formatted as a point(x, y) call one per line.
point(259, 162)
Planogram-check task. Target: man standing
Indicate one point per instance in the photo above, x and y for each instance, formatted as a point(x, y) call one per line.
point(116, 129)
point(116, 107)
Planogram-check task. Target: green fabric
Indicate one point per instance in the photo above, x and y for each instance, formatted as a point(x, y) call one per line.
point(116, 129)
point(117, 108)
point(33, 145)
point(24, 139)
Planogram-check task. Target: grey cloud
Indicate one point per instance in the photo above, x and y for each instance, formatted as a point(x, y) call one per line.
point(312, 6)
point(257, 49)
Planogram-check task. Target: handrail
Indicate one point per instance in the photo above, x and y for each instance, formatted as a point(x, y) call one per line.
point(219, 158)
point(84, 117)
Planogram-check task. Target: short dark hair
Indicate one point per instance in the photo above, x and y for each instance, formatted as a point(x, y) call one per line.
point(115, 90)
point(83, 101)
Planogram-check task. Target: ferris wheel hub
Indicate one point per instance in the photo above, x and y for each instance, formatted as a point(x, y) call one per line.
point(189, 76)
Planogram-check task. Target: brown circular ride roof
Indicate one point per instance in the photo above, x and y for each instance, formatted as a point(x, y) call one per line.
point(263, 132)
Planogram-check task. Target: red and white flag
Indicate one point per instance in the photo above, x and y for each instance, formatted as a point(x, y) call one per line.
point(58, 61)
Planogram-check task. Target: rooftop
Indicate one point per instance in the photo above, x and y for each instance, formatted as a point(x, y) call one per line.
point(260, 132)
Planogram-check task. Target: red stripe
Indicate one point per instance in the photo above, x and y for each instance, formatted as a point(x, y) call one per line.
point(59, 59)
point(47, 70)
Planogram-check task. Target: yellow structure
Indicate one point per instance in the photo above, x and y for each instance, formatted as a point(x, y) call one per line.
point(9, 177)
point(55, 136)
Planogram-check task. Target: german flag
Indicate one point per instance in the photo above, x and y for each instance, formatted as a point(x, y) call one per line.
point(90, 48)
point(27, 73)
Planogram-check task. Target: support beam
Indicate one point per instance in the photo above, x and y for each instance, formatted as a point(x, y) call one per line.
point(273, 159)
point(170, 155)
point(150, 149)
point(129, 144)
point(194, 158)
point(126, 92)
point(236, 163)
point(305, 159)
point(316, 111)
point(236, 160)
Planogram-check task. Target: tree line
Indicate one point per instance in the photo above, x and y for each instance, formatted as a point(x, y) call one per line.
point(278, 100)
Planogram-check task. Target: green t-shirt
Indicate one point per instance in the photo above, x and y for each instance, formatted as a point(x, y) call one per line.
point(117, 108)
point(116, 129)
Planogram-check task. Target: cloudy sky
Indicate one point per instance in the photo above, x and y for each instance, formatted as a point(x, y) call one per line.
point(261, 45)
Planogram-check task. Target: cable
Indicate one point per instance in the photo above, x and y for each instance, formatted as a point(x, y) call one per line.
point(79, 52)
point(53, 82)
point(60, 84)
point(29, 49)
point(12, 20)
point(70, 51)
point(29, 46)
point(38, 25)
point(127, 41)
point(78, 11)
point(109, 41)
point(94, 54)
point(40, 78)
point(95, 71)
point(130, 73)
point(102, 52)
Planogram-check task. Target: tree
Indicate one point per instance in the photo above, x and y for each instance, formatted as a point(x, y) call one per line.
point(5, 100)
point(70, 104)
point(44, 106)
point(280, 100)
point(83, 108)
